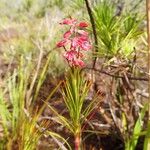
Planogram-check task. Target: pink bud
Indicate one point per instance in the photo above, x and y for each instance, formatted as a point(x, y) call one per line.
point(82, 32)
point(83, 24)
point(69, 21)
point(67, 34)
point(83, 38)
point(61, 43)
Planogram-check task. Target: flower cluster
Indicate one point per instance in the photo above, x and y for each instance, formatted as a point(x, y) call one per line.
point(74, 41)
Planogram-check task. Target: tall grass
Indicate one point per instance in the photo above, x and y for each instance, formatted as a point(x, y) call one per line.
point(19, 116)
point(131, 142)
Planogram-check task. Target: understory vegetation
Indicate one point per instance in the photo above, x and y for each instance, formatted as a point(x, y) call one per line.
point(73, 75)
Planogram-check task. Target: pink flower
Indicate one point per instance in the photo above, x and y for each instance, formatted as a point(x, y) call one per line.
point(69, 21)
point(70, 55)
point(78, 41)
point(85, 45)
point(62, 43)
point(67, 34)
point(82, 42)
point(83, 24)
point(78, 63)
point(75, 42)
point(82, 32)
point(83, 38)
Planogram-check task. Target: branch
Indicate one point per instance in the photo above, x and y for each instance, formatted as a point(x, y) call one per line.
point(89, 10)
point(117, 76)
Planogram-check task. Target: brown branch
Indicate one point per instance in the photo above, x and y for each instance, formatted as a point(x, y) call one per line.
point(117, 76)
point(89, 10)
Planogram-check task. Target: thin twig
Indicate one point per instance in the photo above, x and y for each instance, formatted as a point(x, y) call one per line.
point(36, 72)
point(117, 76)
point(89, 10)
point(148, 41)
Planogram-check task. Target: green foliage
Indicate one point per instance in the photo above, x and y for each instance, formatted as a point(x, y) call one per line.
point(58, 138)
point(75, 91)
point(22, 126)
point(131, 143)
point(147, 137)
point(116, 34)
point(40, 7)
point(20, 122)
point(27, 4)
point(24, 47)
point(78, 3)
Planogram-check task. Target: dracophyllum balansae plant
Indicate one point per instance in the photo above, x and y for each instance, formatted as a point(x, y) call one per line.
point(75, 88)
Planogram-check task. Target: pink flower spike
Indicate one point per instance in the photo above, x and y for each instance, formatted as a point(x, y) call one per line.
point(67, 34)
point(75, 41)
point(83, 24)
point(68, 21)
point(61, 43)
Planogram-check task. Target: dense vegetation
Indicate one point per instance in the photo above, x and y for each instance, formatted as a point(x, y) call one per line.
point(73, 75)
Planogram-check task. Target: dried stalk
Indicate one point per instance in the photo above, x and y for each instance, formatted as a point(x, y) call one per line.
point(89, 10)
point(35, 74)
point(148, 41)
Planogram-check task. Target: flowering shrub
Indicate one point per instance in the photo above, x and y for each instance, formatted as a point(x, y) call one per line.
point(75, 41)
